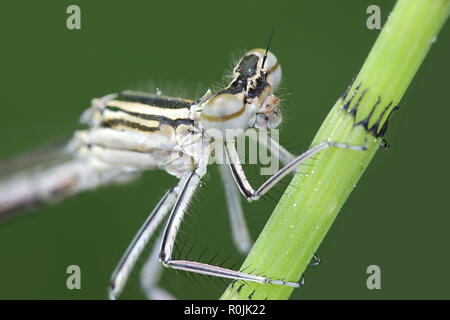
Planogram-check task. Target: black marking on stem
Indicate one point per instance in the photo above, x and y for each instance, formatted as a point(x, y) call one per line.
point(344, 95)
point(365, 121)
point(375, 129)
point(355, 92)
point(355, 107)
point(385, 125)
point(250, 296)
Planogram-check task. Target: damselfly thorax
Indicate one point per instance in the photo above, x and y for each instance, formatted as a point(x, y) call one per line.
point(133, 131)
point(140, 131)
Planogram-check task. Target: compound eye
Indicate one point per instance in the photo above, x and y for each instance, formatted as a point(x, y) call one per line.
point(274, 76)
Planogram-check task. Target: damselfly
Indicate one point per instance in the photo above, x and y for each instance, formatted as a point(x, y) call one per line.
point(133, 131)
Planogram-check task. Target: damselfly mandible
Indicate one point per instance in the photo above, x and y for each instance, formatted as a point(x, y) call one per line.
point(133, 131)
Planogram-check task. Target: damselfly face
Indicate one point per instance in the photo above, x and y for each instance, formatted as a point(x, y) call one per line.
point(248, 101)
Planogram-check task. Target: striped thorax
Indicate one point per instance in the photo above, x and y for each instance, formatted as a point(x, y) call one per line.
point(138, 131)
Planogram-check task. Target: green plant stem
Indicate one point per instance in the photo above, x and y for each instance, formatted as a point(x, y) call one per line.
point(311, 203)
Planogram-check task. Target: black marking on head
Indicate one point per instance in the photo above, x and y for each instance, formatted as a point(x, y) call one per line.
point(261, 84)
point(246, 69)
point(248, 65)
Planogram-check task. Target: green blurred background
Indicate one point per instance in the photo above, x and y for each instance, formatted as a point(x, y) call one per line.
point(396, 218)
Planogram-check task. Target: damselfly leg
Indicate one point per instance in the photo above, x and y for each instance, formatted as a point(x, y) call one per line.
point(151, 273)
point(129, 258)
point(187, 187)
point(251, 194)
point(239, 228)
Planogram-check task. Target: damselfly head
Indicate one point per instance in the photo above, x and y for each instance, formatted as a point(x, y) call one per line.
point(261, 92)
point(248, 101)
point(268, 66)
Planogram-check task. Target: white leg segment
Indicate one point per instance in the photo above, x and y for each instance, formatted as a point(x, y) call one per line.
point(239, 228)
point(151, 273)
point(242, 182)
point(170, 233)
point(123, 269)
